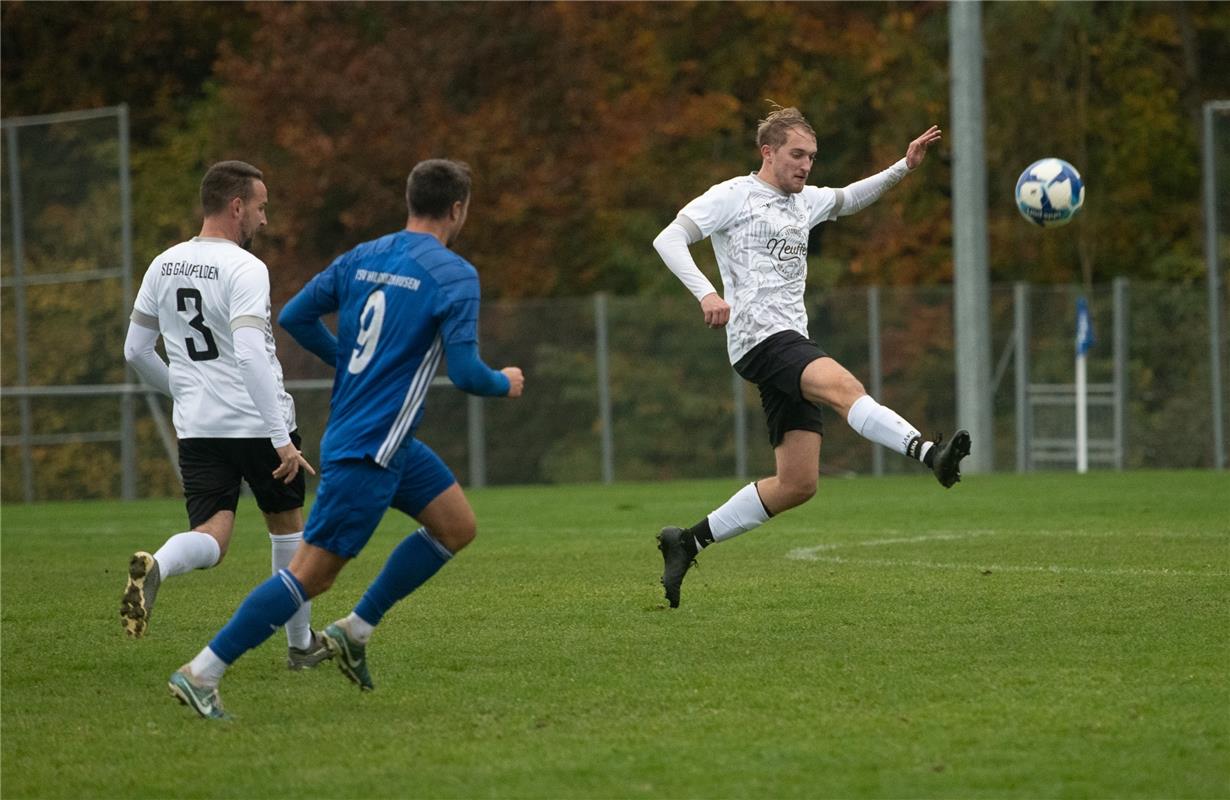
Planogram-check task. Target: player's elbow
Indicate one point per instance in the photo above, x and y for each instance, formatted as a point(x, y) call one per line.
point(288, 319)
point(661, 242)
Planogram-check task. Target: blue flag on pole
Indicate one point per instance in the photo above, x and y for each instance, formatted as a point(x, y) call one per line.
point(1084, 327)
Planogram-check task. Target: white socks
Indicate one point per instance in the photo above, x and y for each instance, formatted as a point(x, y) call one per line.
point(185, 552)
point(207, 668)
point(359, 629)
point(299, 627)
point(742, 512)
point(884, 426)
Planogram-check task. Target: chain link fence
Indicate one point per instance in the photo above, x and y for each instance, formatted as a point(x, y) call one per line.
point(618, 388)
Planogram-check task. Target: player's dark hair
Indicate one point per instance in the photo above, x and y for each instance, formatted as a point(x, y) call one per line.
point(225, 181)
point(774, 128)
point(434, 185)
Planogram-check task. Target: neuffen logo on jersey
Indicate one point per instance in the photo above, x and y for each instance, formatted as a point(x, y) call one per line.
point(789, 250)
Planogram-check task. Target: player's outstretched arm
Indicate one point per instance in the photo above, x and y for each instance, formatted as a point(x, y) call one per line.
point(860, 194)
point(917, 151)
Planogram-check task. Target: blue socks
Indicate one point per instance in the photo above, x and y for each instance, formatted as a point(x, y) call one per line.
point(415, 559)
point(267, 608)
point(270, 605)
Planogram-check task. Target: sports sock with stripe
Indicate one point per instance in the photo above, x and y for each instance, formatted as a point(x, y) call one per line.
point(413, 561)
point(263, 611)
point(282, 549)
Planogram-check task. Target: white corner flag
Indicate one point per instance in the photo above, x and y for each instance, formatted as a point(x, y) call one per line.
point(1084, 341)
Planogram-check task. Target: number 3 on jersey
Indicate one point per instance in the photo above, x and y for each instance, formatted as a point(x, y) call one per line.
point(370, 321)
point(210, 351)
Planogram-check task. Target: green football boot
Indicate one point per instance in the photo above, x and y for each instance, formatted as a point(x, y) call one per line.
point(351, 656)
point(201, 699)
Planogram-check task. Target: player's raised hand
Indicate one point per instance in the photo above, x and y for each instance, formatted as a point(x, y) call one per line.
point(292, 461)
point(516, 381)
point(918, 148)
point(716, 310)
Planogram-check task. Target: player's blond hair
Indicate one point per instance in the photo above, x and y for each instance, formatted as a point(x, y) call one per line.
point(774, 128)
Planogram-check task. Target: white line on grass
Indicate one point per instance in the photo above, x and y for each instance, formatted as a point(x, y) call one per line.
point(813, 554)
point(809, 553)
point(1053, 568)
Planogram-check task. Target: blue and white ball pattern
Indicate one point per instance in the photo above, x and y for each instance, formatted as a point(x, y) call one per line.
point(1050, 192)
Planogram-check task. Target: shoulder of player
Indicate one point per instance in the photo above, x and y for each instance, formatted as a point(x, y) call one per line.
point(440, 262)
point(229, 258)
point(738, 185)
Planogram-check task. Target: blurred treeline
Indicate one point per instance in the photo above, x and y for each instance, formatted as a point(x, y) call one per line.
point(589, 124)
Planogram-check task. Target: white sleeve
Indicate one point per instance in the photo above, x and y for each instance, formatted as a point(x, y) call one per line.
point(713, 210)
point(140, 354)
point(861, 194)
point(249, 291)
point(672, 245)
point(259, 380)
point(147, 302)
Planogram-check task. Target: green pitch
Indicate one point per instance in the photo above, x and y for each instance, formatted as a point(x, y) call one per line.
point(1042, 636)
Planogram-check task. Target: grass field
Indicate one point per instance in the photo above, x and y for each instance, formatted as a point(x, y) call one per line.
point(1041, 636)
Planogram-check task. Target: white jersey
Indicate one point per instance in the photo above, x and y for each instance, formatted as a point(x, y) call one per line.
point(198, 292)
point(759, 236)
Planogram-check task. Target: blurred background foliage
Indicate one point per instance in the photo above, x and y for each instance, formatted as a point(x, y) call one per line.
point(589, 125)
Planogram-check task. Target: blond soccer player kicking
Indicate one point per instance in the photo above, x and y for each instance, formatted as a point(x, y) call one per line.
point(758, 225)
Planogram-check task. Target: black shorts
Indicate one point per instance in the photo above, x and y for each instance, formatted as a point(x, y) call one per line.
point(213, 470)
point(776, 367)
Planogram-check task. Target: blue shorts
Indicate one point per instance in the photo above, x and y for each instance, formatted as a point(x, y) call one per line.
point(354, 493)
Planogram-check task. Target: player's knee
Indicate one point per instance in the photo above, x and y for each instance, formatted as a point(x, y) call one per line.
point(459, 536)
point(317, 584)
point(797, 489)
point(847, 390)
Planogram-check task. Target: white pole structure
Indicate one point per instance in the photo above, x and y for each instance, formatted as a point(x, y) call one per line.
point(1084, 340)
point(971, 282)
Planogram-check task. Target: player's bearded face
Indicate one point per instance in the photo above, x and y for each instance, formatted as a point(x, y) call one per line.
point(252, 214)
point(792, 162)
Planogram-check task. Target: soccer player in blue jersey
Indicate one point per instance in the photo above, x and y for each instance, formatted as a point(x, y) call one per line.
point(402, 301)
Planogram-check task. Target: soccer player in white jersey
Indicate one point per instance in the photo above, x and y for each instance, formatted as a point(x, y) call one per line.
point(209, 300)
point(759, 225)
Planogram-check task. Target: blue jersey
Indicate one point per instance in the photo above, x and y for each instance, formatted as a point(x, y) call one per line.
point(401, 301)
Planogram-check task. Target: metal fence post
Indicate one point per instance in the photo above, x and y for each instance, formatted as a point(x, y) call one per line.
point(1214, 280)
point(602, 361)
point(1020, 332)
point(740, 403)
point(1120, 292)
point(128, 426)
point(477, 438)
point(19, 300)
point(875, 368)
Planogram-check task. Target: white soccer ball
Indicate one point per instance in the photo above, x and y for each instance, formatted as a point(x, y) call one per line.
point(1050, 192)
